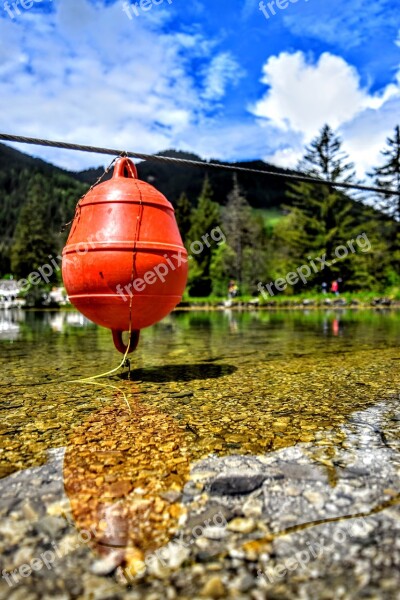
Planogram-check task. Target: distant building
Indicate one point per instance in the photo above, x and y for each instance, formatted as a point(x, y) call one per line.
point(58, 295)
point(9, 290)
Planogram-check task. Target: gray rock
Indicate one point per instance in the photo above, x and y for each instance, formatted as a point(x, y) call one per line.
point(244, 583)
point(22, 593)
point(238, 482)
point(297, 471)
point(215, 515)
point(190, 489)
point(32, 510)
point(51, 526)
point(171, 496)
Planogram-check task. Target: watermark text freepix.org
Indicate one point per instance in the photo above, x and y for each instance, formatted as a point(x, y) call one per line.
point(317, 264)
point(314, 551)
point(13, 8)
point(160, 271)
point(269, 9)
point(46, 271)
point(143, 5)
point(162, 554)
point(48, 558)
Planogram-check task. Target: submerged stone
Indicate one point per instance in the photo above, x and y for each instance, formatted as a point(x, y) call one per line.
point(236, 483)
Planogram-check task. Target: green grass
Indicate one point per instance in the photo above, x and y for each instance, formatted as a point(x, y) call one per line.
point(364, 298)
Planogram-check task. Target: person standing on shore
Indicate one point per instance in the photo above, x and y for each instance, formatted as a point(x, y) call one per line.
point(232, 289)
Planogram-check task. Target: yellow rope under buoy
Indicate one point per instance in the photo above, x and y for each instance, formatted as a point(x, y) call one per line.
point(90, 380)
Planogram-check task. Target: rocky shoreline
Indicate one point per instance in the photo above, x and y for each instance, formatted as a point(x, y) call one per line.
point(379, 303)
point(279, 526)
point(326, 304)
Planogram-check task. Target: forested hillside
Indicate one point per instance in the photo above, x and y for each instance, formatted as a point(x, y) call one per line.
point(30, 188)
point(59, 190)
point(271, 226)
point(173, 179)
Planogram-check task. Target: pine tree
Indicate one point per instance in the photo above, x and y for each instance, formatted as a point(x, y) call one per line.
point(205, 218)
point(222, 267)
point(244, 235)
point(5, 263)
point(325, 158)
point(322, 218)
point(236, 221)
point(33, 240)
point(388, 175)
point(183, 214)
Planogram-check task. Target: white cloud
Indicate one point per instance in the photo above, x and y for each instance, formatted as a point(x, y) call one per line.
point(365, 137)
point(222, 71)
point(88, 74)
point(303, 95)
point(288, 157)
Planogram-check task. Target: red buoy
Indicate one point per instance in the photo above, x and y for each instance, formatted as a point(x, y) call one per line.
point(124, 265)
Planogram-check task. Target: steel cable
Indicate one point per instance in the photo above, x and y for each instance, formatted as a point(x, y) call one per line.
point(196, 163)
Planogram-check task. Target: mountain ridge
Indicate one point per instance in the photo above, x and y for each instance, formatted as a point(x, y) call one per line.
point(62, 189)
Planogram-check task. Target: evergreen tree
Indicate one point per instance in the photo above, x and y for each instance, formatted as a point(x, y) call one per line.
point(388, 175)
point(222, 267)
point(5, 262)
point(33, 239)
point(244, 235)
point(60, 194)
point(325, 158)
point(236, 223)
point(205, 218)
point(322, 218)
point(183, 214)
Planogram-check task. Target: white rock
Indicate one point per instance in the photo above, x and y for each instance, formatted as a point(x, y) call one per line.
point(239, 525)
point(214, 533)
point(314, 498)
point(106, 565)
point(252, 508)
point(177, 555)
point(23, 555)
point(158, 569)
point(168, 558)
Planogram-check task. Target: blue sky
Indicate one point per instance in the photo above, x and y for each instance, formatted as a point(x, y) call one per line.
point(217, 77)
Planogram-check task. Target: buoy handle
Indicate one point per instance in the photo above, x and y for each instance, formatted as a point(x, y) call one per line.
point(125, 168)
point(119, 344)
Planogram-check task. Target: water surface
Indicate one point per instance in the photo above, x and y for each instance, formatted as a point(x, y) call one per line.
point(232, 382)
point(312, 396)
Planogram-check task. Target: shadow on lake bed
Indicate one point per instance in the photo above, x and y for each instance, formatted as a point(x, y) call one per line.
point(182, 372)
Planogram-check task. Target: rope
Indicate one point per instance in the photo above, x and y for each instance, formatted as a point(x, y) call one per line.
point(107, 385)
point(135, 241)
point(106, 170)
point(196, 163)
